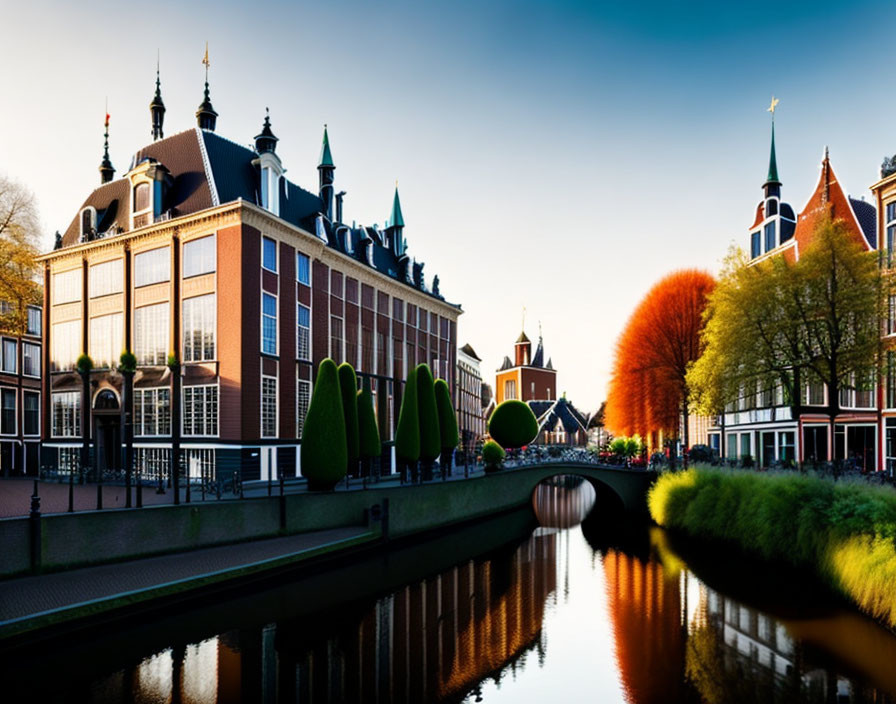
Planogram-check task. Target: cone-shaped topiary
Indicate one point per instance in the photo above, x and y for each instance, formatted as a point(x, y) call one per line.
point(447, 423)
point(348, 386)
point(368, 433)
point(430, 442)
point(407, 433)
point(324, 451)
point(513, 424)
point(492, 456)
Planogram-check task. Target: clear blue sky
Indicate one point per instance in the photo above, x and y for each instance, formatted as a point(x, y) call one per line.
point(561, 156)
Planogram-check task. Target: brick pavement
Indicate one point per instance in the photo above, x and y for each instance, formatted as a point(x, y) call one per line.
point(28, 596)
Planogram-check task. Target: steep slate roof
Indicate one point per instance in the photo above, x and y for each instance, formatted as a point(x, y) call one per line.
point(207, 169)
point(538, 357)
point(550, 413)
point(506, 364)
point(470, 352)
point(867, 217)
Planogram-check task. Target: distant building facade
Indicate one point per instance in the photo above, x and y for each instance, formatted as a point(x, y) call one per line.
point(20, 395)
point(468, 397)
point(205, 254)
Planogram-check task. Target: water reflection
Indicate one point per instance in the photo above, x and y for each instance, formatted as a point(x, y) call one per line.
point(629, 615)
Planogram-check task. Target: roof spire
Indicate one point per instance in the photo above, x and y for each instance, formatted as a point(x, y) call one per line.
point(266, 141)
point(396, 219)
point(107, 171)
point(206, 115)
point(326, 158)
point(772, 161)
point(157, 107)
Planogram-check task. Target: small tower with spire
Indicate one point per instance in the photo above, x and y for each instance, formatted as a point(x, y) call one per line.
point(772, 186)
point(270, 169)
point(395, 230)
point(266, 141)
point(157, 109)
point(107, 171)
point(326, 172)
point(206, 116)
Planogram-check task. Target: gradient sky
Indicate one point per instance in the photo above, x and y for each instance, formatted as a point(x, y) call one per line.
point(561, 156)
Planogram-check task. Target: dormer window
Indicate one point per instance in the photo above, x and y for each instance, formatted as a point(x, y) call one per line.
point(148, 180)
point(270, 190)
point(88, 223)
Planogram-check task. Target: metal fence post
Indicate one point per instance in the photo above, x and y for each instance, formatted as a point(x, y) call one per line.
point(35, 529)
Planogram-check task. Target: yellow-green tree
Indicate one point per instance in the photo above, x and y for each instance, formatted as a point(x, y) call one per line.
point(817, 319)
point(19, 283)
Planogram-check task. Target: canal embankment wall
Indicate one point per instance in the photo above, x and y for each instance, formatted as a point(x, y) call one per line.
point(844, 531)
point(94, 537)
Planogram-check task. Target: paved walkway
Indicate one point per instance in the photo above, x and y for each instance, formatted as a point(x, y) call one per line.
point(30, 596)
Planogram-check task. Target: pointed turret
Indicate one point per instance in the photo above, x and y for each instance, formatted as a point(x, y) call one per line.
point(772, 177)
point(266, 141)
point(396, 219)
point(107, 171)
point(326, 173)
point(206, 116)
point(395, 228)
point(522, 350)
point(157, 109)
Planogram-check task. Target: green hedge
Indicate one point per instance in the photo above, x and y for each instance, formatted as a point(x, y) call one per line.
point(430, 441)
point(513, 424)
point(324, 449)
point(368, 434)
point(407, 432)
point(348, 387)
point(492, 455)
point(845, 531)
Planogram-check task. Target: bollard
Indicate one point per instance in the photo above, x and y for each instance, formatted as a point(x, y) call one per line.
point(282, 501)
point(35, 530)
point(139, 489)
point(71, 490)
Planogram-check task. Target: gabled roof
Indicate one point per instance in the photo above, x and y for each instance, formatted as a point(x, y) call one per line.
point(506, 364)
point(538, 357)
point(470, 352)
point(551, 413)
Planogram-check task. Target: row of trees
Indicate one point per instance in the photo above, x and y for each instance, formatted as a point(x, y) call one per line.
point(694, 344)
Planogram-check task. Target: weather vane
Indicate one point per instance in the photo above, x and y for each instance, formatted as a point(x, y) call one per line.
point(771, 108)
point(206, 62)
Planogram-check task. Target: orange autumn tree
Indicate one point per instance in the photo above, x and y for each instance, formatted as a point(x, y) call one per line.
point(648, 391)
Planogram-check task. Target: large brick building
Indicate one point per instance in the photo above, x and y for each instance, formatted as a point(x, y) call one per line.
point(20, 372)
point(205, 254)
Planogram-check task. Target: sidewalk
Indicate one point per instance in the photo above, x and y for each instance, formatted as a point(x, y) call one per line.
point(32, 602)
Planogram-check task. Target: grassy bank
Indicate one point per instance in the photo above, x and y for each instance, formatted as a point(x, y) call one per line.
point(845, 531)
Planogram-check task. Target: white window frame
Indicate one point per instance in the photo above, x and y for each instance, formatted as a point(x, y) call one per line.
point(301, 418)
point(154, 392)
point(4, 341)
point(299, 256)
point(107, 274)
point(155, 252)
point(76, 418)
point(183, 415)
point(276, 407)
point(37, 346)
point(200, 241)
point(64, 287)
point(299, 328)
point(276, 268)
point(183, 332)
point(15, 410)
point(39, 419)
point(263, 315)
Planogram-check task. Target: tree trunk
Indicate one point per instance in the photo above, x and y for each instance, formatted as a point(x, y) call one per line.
point(685, 429)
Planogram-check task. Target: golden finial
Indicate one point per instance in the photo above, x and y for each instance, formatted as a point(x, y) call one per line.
point(771, 108)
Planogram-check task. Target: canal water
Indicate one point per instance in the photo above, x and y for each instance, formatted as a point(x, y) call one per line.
point(561, 603)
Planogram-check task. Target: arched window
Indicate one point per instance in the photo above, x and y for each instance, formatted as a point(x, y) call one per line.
point(141, 197)
point(106, 400)
point(88, 222)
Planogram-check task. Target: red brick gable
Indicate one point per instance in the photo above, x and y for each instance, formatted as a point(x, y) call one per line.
point(760, 214)
point(828, 197)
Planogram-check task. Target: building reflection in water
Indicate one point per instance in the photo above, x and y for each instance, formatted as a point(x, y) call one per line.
point(434, 640)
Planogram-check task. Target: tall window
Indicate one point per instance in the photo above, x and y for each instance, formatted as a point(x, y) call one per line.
point(66, 286)
point(152, 267)
point(66, 417)
point(891, 231)
point(30, 359)
point(268, 324)
point(269, 254)
point(336, 339)
point(152, 411)
point(200, 410)
point(105, 338)
point(755, 245)
point(303, 399)
point(200, 323)
point(200, 256)
point(8, 411)
point(303, 268)
point(422, 319)
point(367, 349)
point(268, 406)
point(509, 389)
point(397, 310)
point(34, 320)
point(303, 332)
point(66, 345)
point(9, 353)
point(769, 236)
point(151, 334)
point(106, 278)
point(31, 412)
point(141, 197)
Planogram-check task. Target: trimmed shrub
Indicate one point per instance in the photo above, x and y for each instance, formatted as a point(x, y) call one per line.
point(324, 449)
point(513, 424)
point(493, 456)
point(84, 364)
point(127, 362)
point(348, 387)
point(430, 442)
point(407, 432)
point(844, 531)
point(368, 434)
point(447, 423)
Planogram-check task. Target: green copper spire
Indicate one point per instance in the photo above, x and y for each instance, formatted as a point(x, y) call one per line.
point(326, 158)
point(772, 161)
point(396, 219)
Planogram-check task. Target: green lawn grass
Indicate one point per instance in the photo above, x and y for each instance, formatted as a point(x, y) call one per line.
point(843, 530)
